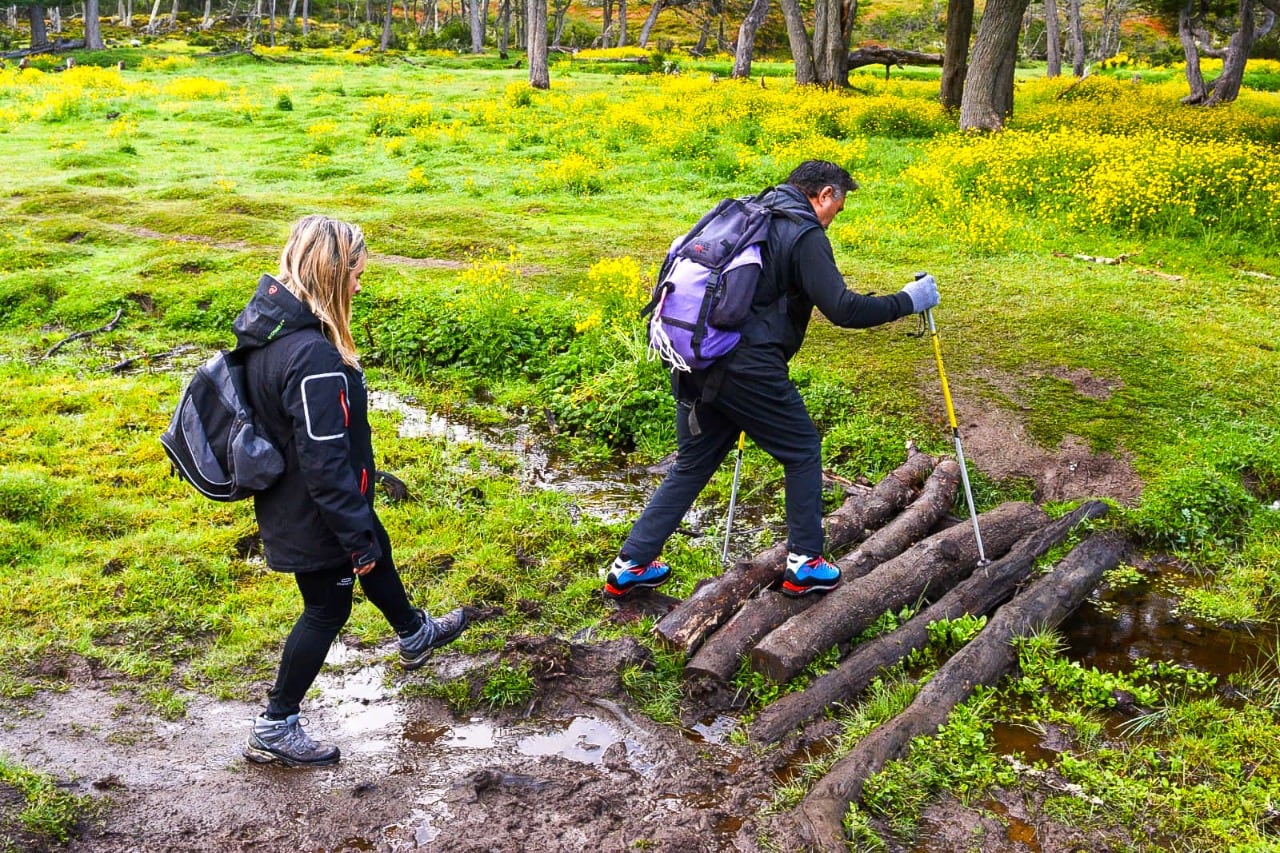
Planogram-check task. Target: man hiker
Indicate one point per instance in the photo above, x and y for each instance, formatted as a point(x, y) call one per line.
point(750, 389)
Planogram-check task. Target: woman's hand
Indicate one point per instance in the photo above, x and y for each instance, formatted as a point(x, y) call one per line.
point(365, 569)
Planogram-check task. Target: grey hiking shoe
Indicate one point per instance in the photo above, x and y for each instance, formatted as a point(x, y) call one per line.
point(433, 634)
point(285, 742)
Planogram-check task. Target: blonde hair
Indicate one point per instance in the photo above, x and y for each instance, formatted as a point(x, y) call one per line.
point(316, 267)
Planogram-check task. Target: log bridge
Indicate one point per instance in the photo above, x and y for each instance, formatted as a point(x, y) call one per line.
point(900, 548)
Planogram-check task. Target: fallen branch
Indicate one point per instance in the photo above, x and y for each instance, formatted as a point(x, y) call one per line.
point(719, 656)
point(149, 358)
point(976, 595)
point(986, 659)
point(1098, 259)
point(888, 56)
point(713, 601)
point(928, 569)
point(78, 335)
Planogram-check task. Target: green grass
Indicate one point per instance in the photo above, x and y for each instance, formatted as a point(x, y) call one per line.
point(488, 207)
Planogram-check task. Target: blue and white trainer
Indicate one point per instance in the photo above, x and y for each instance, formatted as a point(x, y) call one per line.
point(626, 575)
point(807, 574)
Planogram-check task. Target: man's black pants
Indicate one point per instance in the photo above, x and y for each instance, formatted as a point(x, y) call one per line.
point(771, 412)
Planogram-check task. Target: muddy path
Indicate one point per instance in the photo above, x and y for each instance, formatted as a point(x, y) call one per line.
point(582, 771)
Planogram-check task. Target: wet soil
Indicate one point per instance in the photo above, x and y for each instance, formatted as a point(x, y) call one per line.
point(583, 771)
point(579, 768)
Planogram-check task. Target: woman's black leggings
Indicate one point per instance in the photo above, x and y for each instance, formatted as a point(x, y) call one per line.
point(326, 605)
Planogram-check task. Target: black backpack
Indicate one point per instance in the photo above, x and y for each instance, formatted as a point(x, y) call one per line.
point(212, 439)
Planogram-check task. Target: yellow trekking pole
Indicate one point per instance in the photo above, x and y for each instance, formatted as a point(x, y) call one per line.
point(955, 432)
point(733, 497)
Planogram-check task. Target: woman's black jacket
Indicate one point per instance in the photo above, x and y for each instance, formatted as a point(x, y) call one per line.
point(319, 515)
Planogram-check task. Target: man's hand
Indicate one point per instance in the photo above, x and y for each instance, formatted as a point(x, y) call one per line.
point(923, 292)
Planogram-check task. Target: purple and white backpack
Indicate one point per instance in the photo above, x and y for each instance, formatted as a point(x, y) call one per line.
point(707, 283)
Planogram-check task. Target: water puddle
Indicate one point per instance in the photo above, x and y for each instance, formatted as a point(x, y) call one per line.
point(1115, 628)
point(610, 492)
point(583, 740)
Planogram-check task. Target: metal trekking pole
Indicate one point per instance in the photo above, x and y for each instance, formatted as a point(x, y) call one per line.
point(955, 432)
point(733, 497)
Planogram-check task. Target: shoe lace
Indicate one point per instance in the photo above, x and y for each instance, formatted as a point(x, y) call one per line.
point(295, 737)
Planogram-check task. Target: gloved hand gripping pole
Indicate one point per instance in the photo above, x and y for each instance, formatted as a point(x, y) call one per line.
point(955, 432)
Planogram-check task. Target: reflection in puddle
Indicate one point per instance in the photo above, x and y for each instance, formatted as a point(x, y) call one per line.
point(584, 740)
point(1115, 629)
point(416, 422)
point(474, 735)
point(716, 729)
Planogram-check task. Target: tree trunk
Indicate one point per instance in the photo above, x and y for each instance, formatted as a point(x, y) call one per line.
point(477, 27)
point(927, 570)
point(988, 91)
point(504, 28)
point(271, 28)
point(306, 16)
point(828, 53)
point(712, 602)
point(92, 25)
point(206, 20)
point(650, 21)
point(606, 21)
point(747, 38)
point(55, 19)
point(539, 74)
point(1227, 87)
point(985, 660)
point(1075, 32)
point(386, 26)
point(561, 10)
point(1191, 53)
point(798, 37)
point(173, 16)
point(622, 23)
point(39, 35)
point(720, 655)
point(1053, 39)
point(978, 594)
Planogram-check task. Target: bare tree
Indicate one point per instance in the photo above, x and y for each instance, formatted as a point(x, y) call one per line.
point(92, 25)
point(1053, 39)
point(1227, 87)
point(657, 7)
point(386, 27)
point(747, 37)
point(559, 11)
point(801, 52)
point(39, 35)
point(988, 90)
point(955, 58)
point(539, 76)
point(477, 26)
point(1075, 31)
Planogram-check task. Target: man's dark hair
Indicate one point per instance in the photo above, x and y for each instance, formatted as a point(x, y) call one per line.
point(812, 175)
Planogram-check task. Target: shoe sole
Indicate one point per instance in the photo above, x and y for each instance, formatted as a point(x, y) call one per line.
point(614, 592)
point(410, 664)
point(788, 588)
point(258, 755)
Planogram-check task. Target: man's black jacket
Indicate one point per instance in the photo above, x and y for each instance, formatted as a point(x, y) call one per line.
point(800, 274)
point(319, 515)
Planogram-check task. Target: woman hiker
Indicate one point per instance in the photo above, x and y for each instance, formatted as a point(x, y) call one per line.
point(317, 521)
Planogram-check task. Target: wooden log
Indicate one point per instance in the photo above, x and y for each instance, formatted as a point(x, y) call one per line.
point(712, 602)
point(719, 656)
point(986, 659)
point(927, 570)
point(976, 595)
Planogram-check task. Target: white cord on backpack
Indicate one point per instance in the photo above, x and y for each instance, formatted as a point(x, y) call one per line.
point(660, 344)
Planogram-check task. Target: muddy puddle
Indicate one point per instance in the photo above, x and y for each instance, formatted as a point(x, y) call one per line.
point(611, 492)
